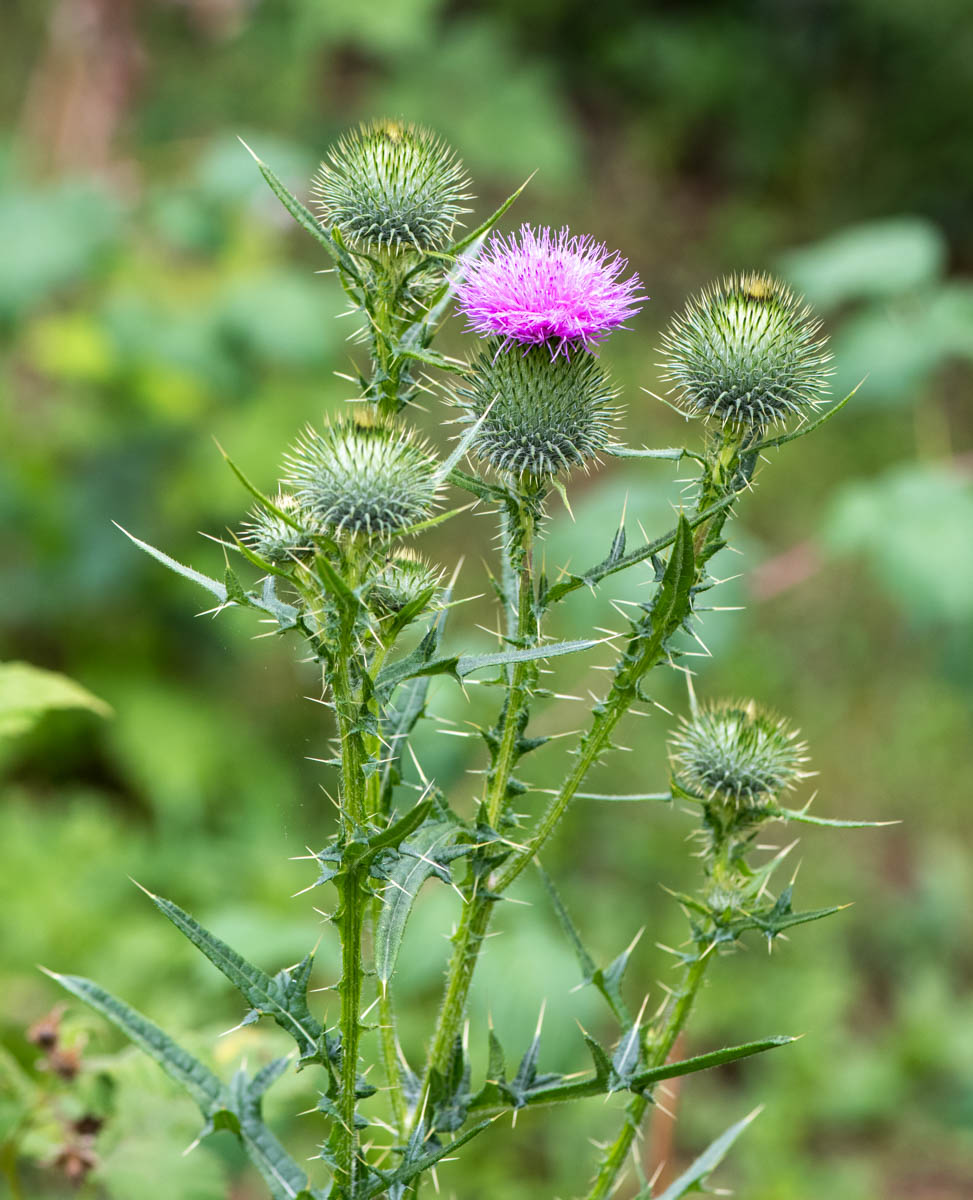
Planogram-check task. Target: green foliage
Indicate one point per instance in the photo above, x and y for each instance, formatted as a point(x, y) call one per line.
point(194, 312)
point(693, 1178)
point(27, 692)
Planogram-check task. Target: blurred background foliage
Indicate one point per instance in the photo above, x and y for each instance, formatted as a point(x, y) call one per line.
point(153, 297)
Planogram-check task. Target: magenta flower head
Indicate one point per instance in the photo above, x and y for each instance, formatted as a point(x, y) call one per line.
point(544, 288)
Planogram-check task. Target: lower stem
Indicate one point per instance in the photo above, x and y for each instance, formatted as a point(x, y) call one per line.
point(350, 919)
point(671, 1025)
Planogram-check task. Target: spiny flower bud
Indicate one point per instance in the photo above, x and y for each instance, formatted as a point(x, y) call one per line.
point(737, 752)
point(273, 538)
point(392, 185)
point(404, 579)
point(363, 476)
point(746, 351)
point(545, 415)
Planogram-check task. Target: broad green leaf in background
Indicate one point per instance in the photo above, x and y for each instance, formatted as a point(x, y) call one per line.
point(912, 526)
point(27, 692)
point(875, 260)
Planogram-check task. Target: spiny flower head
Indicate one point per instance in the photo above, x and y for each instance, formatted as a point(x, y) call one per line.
point(545, 414)
point(392, 185)
point(737, 752)
point(273, 538)
point(404, 578)
point(552, 289)
point(363, 476)
point(748, 351)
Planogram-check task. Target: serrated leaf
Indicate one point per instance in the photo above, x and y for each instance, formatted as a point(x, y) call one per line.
point(607, 982)
point(462, 665)
point(694, 1176)
point(602, 1063)
point(396, 833)
point(557, 1093)
point(414, 866)
point(410, 1169)
point(303, 216)
point(594, 575)
point(198, 1080)
point(806, 818)
point(283, 998)
point(204, 581)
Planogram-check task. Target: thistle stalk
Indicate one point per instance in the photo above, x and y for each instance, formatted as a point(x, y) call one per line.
point(658, 1048)
point(353, 891)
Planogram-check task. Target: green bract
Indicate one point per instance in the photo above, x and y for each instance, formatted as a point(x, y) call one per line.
point(746, 351)
point(546, 414)
point(738, 752)
point(270, 536)
point(403, 580)
point(355, 476)
point(392, 185)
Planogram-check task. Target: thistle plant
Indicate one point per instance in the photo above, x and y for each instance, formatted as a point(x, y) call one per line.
point(331, 556)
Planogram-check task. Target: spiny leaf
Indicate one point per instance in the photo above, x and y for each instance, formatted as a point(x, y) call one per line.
point(789, 814)
point(283, 998)
point(594, 575)
point(557, 1093)
point(198, 1080)
point(694, 1176)
point(665, 797)
point(211, 585)
point(607, 982)
point(416, 1166)
point(303, 216)
point(416, 863)
point(461, 665)
point(804, 430)
point(459, 246)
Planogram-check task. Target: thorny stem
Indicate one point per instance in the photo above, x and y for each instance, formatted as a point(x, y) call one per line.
point(659, 1046)
point(350, 925)
point(720, 473)
point(521, 569)
point(350, 919)
point(518, 571)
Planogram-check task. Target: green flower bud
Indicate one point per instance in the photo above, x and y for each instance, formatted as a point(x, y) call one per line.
point(738, 753)
point(362, 476)
point(272, 538)
point(404, 579)
point(545, 414)
point(746, 351)
point(392, 185)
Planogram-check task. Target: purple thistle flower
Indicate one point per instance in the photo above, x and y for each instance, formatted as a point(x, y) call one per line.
point(543, 287)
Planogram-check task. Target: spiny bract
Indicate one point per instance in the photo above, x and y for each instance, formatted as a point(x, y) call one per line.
point(363, 476)
point(545, 415)
point(273, 538)
point(738, 752)
point(746, 351)
point(403, 579)
point(392, 185)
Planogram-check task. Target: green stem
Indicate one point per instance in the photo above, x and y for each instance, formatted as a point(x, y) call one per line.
point(660, 1046)
point(521, 568)
point(352, 975)
point(518, 531)
point(466, 949)
point(353, 892)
